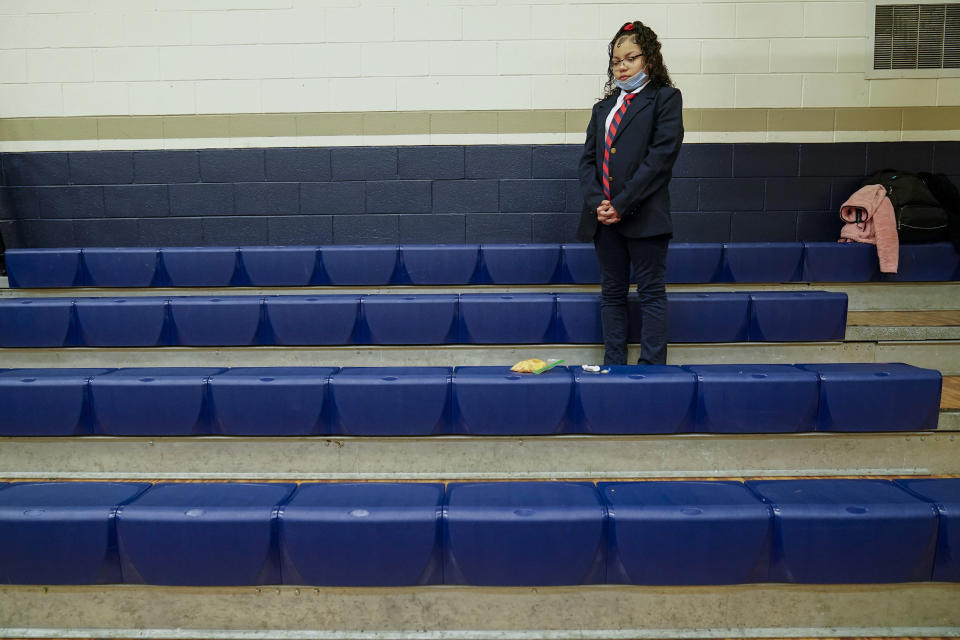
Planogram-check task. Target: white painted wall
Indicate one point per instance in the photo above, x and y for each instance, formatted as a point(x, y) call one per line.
point(128, 57)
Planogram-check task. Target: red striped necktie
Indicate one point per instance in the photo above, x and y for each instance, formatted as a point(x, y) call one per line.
point(611, 133)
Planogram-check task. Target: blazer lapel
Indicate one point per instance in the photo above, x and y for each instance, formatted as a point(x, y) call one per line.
point(604, 111)
point(643, 100)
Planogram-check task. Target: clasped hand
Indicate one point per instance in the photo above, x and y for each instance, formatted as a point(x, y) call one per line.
point(607, 214)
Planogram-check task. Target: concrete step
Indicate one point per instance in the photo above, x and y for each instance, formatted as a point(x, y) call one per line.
point(449, 458)
point(607, 612)
point(943, 355)
point(885, 296)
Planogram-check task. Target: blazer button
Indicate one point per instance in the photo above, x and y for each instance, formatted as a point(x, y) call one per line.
point(613, 149)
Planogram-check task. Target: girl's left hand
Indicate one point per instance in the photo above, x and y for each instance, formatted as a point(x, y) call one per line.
point(607, 214)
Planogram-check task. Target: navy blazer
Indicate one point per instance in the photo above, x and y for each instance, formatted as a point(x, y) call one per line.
point(641, 161)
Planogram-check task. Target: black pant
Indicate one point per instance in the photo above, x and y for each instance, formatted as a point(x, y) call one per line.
point(646, 259)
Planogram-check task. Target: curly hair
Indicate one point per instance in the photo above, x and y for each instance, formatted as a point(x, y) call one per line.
point(645, 37)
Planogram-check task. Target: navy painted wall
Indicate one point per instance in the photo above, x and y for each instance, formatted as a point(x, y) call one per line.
point(440, 194)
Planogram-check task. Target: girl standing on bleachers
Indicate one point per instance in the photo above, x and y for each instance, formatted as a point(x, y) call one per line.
point(632, 142)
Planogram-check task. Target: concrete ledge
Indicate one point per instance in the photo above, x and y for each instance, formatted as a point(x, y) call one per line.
point(449, 458)
point(468, 613)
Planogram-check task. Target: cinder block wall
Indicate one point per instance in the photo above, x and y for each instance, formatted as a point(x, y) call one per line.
point(116, 118)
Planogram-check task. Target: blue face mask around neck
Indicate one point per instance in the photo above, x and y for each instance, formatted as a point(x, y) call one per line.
point(632, 83)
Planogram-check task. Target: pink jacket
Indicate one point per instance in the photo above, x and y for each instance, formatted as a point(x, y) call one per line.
point(877, 224)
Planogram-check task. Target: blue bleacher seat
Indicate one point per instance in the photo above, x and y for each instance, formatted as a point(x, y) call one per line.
point(496, 401)
point(944, 494)
point(440, 264)
point(933, 262)
point(269, 401)
point(409, 319)
point(762, 261)
point(580, 264)
point(693, 262)
point(390, 401)
point(122, 322)
point(199, 266)
point(527, 318)
point(61, 532)
point(311, 320)
point(520, 263)
point(43, 268)
point(635, 399)
point(524, 534)
point(372, 534)
point(151, 401)
point(279, 266)
point(797, 316)
point(358, 264)
point(829, 531)
point(686, 533)
point(214, 534)
point(755, 398)
point(36, 322)
point(877, 397)
point(44, 402)
point(219, 321)
point(578, 318)
point(701, 317)
point(120, 266)
point(839, 262)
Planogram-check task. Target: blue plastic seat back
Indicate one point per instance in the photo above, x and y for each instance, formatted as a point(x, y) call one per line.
point(693, 262)
point(122, 322)
point(121, 266)
point(359, 264)
point(199, 266)
point(524, 534)
point(578, 318)
point(840, 262)
point(410, 319)
point(686, 533)
point(202, 534)
point(580, 264)
point(269, 401)
point(944, 494)
point(700, 317)
point(934, 262)
point(496, 401)
point(217, 321)
point(755, 398)
point(440, 264)
point(831, 531)
point(36, 322)
point(279, 266)
point(43, 268)
point(153, 401)
point(312, 320)
point(762, 261)
point(521, 263)
point(797, 316)
point(637, 399)
point(390, 401)
point(877, 396)
point(61, 532)
point(374, 535)
point(494, 318)
point(45, 402)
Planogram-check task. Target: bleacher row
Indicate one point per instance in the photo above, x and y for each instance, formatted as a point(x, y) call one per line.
point(495, 534)
point(411, 401)
point(469, 318)
point(499, 264)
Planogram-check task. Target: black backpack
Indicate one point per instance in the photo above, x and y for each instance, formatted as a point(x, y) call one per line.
point(947, 195)
point(920, 217)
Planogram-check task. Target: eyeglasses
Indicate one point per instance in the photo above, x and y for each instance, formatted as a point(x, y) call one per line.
point(629, 60)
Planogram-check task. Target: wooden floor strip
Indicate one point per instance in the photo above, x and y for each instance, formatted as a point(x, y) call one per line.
point(950, 396)
point(903, 318)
